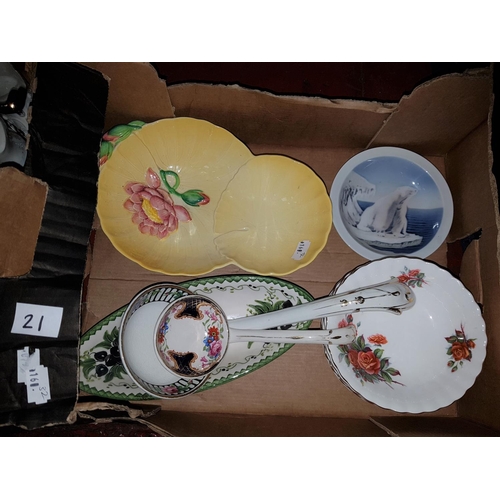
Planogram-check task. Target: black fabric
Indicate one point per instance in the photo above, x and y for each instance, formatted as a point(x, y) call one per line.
point(67, 124)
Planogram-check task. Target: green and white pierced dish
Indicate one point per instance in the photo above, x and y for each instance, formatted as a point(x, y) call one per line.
point(102, 373)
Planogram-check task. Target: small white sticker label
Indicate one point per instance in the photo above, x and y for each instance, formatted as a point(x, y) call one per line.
point(33, 375)
point(24, 360)
point(40, 321)
point(301, 250)
point(37, 384)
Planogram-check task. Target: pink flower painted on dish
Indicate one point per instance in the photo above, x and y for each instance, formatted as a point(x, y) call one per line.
point(343, 323)
point(348, 321)
point(153, 208)
point(215, 349)
point(212, 316)
point(170, 389)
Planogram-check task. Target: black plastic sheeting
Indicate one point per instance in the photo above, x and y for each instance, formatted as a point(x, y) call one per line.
point(67, 123)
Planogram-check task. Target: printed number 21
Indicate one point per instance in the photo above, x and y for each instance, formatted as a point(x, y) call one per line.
point(28, 319)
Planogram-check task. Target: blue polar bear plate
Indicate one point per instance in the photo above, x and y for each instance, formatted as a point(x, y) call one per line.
point(389, 201)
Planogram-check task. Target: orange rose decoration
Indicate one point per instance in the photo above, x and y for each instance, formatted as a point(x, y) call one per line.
point(369, 365)
point(459, 350)
point(353, 358)
point(369, 362)
point(377, 339)
point(412, 277)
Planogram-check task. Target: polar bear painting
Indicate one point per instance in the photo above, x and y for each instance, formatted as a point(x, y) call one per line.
point(388, 214)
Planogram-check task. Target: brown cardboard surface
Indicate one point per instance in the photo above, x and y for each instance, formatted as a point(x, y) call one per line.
point(468, 175)
point(482, 402)
point(448, 113)
point(22, 201)
point(180, 424)
point(432, 426)
point(135, 93)
point(470, 271)
point(468, 168)
point(261, 117)
point(437, 115)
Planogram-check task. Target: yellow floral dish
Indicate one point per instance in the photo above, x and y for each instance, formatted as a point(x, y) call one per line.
point(274, 217)
point(182, 196)
point(159, 189)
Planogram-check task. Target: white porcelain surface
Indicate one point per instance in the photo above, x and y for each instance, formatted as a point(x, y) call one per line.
point(191, 336)
point(139, 348)
point(422, 360)
point(389, 202)
point(136, 342)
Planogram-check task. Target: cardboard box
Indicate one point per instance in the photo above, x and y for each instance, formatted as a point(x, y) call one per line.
point(447, 120)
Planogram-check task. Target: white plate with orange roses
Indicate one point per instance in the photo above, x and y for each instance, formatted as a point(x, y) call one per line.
point(424, 359)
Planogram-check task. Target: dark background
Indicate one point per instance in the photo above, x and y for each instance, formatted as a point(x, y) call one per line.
point(371, 81)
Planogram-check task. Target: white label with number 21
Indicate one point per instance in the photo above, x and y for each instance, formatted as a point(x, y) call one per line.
point(40, 321)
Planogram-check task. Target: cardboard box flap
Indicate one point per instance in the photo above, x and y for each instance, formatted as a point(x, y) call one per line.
point(468, 170)
point(260, 117)
point(479, 402)
point(135, 93)
point(474, 189)
point(470, 271)
point(22, 200)
point(438, 114)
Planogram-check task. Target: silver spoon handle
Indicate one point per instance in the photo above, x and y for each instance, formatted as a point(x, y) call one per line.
point(390, 296)
point(333, 336)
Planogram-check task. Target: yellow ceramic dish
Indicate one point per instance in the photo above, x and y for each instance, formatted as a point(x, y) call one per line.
point(274, 217)
point(159, 188)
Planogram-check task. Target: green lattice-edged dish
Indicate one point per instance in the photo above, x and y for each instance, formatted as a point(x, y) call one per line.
point(239, 295)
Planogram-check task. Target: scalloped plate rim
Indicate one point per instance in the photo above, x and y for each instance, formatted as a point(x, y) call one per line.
point(104, 221)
